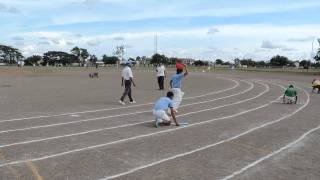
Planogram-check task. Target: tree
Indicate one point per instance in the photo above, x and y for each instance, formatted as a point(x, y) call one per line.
point(219, 61)
point(279, 61)
point(261, 63)
point(248, 62)
point(10, 55)
point(317, 57)
point(93, 59)
point(304, 63)
point(201, 63)
point(110, 60)
point(81, 54)
point(157, 59)
point(33, 60)
point(58, 58)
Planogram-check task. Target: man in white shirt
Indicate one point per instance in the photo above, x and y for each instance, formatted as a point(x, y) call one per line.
point(161, 74)
point(127, 79)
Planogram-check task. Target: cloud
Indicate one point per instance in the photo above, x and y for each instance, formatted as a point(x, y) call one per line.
point(288, 49)
point(93, 42)
point(8, 9)
point(270, 45)
point(55, 41)
point(70, 43)
point(305, 39)
point(212, 31)
point(44, 43)
point(119, 38)
point(18, 38)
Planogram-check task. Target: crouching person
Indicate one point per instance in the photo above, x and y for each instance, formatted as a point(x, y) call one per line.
point(290, 95)
point(161, 107)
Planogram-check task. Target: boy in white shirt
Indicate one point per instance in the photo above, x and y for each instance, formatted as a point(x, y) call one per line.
point(161, 74)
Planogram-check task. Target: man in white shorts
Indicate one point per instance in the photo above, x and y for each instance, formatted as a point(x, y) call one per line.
point(175, 84)
point(160, 111)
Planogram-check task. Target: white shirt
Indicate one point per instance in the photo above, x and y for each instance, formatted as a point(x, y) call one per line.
point(160, 70)
point(127, 73)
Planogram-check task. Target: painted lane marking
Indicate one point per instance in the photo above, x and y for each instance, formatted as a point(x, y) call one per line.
point(279, 150)
point(126, 125)
point(206, 147)
point(117, 108)
point(119, 115)
point(145, 135)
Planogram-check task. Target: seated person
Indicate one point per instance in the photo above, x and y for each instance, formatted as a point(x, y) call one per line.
point(316, 85)
point(160, 111)
point(290, 95)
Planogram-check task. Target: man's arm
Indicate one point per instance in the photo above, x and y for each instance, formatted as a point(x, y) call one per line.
point(186, 73)
point(122, 81)
point(131, 79)
point(173, 114)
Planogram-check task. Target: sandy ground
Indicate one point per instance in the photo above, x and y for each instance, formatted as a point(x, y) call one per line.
point(60, 124)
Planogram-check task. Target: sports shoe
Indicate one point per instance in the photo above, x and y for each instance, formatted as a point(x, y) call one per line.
point(132, 102)
point(121, 102)
point(157, 123)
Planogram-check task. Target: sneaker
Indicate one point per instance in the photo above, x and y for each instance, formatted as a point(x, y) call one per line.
point(121, 102)
point(132, 102)
point(157, 123)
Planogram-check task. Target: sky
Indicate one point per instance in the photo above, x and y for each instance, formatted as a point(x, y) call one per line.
point(199, 29)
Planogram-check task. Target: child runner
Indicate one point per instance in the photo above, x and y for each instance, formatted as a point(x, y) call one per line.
point(160, 111)
point(127, 79)
point(290, 95)
point(175, 85)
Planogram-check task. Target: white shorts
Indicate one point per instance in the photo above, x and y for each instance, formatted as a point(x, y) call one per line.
point(161, 115)
point(177, 98)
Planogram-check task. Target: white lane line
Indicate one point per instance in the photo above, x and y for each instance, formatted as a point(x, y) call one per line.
point(145, 135)
point(118, 115)
point(133, 124)
point(117, 108)
point(279, 150)
point(205, 147)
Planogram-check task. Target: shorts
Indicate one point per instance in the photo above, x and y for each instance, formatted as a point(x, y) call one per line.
point(161, 115)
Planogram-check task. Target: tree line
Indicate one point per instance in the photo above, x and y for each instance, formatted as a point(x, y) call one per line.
point(81, 57)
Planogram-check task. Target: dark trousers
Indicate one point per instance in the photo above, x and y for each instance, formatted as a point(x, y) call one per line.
point(127, 90)
point(160, 82)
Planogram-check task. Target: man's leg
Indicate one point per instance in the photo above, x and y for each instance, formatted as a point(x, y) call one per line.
point(126, 91)
point(161, 82)
point(178, 94)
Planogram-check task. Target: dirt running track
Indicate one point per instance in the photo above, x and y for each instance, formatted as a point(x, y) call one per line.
point(69, 127)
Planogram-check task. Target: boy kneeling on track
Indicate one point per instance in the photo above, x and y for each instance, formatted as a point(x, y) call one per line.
point(161, 108)
point(290, 95)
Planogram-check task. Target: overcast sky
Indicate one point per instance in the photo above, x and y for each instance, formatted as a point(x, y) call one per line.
point(202, 29)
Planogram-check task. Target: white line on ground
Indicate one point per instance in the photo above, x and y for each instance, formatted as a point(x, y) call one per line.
point(145, 135)
point(118, 115)
point(133, 124)
point(205, 147)
point(279, 150)
point(117, 108)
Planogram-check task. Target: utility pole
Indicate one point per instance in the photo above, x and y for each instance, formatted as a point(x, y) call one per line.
point(155, 44)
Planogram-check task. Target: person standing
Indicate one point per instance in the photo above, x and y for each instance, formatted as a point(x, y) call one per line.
point(127, 80)
point(175, 84)
point(161, 75)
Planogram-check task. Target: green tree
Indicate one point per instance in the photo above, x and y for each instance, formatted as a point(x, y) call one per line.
point(279, 61)
point(110, 60)
point(33, 60)
point(201, 63)
point(54, 58)
point(157, 59)
point(81, 54)
point(248, 62)
point(10, 55)
point(219, 62)
point(93, 59)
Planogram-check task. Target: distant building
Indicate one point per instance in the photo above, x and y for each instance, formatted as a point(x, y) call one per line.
point(188, 61)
